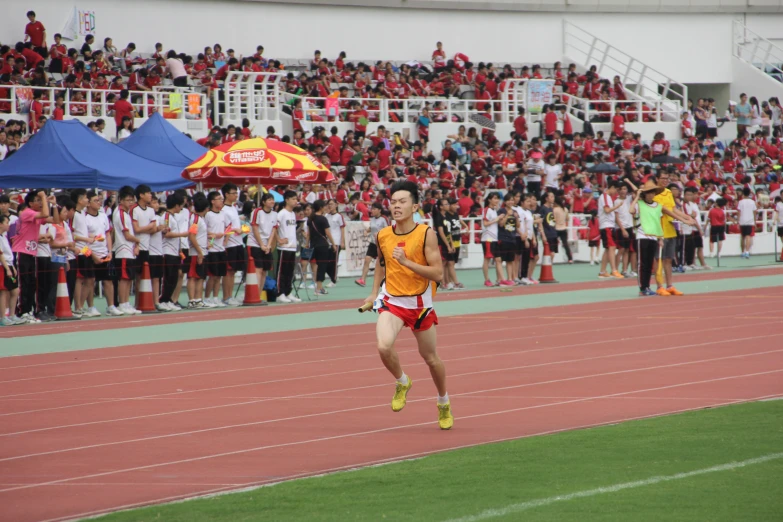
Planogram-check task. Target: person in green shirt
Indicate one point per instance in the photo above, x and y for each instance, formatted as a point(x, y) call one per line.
point(650, 233)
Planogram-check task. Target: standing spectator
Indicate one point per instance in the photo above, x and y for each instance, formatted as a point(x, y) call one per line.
point(217, 224)
point(235, 249)
point(156, 253)
point(489, 238)
point(742, 111)
point(607, 223)
point(535, 169)
point(561, 225)
point(98, 262)
point(197, 241)
point(336, 226)
point(747, 209)
point(26, 247)
point(123, 109)
point(377, 222)
point(9, 289)
point(322, 242)
point(287, 246)
point(172, 250)
point(144, 225)
point(177, 70)
point(43, 259)
point(262, 237)
point(35, 33)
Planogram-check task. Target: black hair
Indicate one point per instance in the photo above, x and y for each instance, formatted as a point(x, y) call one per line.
point(200, 203)
point(124, 192)
point(4, 198)
point(407, 186)
point(288, 194)
point(212, 196)
point(91, 194)
point(266, 197)
point(318, 204)
point(76, 194)
point(4, 218)
point(142, 189)
point(228, 187)
point(174, 199)
point(30, 197)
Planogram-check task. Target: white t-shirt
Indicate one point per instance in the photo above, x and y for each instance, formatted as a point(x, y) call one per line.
point(217, 223)
point(232, 217)
point(201, 235)
point(552, 172)
point(779, 210)
point(3, 151)
point(747, 212)
point(286, 223)
point(605, 220)
point(336, 225)
point(490, 233)
point(183, 221)
point(44, 249)
point(171, 245)
point(624, 213)
point(692, 209)
point(143, 217)
point(69, 238)
point(266, 222)
point(79, 228)
point(98, 225)
point(156, 239)
point(534, 166)
point(123, 249)
point(528, 223)
point(5, 248)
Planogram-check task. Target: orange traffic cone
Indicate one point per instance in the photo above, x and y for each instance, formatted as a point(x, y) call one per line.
point(781, 255)
point(546, 275)
point(62, 305)
point(144, 301)
point(252, 292)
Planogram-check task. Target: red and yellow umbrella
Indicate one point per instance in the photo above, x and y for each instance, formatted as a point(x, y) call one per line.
point(257, 161)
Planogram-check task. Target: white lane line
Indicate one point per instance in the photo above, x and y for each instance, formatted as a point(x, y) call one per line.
point(329, 336)
point(255, 368)
point(342, 337)
point(330, 392)
point(250, 486)
point(385, 405)
point(531, 504)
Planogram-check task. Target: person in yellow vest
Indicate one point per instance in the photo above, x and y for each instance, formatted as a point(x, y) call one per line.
point(666, 200)
point(408, 269)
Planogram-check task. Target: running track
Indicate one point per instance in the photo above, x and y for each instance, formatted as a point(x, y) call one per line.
point(82, 433)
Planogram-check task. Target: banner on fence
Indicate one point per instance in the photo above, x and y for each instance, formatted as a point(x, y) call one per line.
point(539, 93)
point(24, 98)
point(357, 238)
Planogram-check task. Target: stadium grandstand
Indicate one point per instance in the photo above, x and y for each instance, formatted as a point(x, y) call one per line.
point(189, 162)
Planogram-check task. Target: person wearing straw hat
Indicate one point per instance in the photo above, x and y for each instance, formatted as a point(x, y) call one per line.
point(650, 232)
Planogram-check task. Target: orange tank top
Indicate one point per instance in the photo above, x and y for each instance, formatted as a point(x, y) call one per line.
point(401, 281)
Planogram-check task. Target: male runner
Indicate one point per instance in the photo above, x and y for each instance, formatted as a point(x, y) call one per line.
point(409, 265)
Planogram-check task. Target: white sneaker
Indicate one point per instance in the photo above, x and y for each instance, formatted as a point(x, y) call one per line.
point(233, 301)
point(217, 303)
point(92, 312)
point(127, 309)
point(450, 286)
point(526, 281)
point(161, 307)
point(592, 263)
point(175, 307)
point(329, 285)
point(207, 304)
point(311, 285)
point(29, 318)
point(633, 274)
point(283, 299)
point(294, 299)
point(114, 311)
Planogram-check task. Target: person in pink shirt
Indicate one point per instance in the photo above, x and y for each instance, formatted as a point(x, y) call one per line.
point(26, 247)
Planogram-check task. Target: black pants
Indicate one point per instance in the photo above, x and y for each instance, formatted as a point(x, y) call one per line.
point(524, 264)
point(286, 264)
point(181, 81)
point(43, 269)
point(324, 258)
point(171, 266)
point(563, 236)
point(679, 253)
point(70, 278)
point(690, 250)
point(25, 266)
point(646, 253)
point(534, 187)
point(331, 270)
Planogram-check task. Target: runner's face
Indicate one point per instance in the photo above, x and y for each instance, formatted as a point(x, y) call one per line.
point(402, 205)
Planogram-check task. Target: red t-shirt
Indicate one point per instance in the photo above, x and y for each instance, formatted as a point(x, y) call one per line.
point(122, 108)
point(717, 217)
point(35, 30)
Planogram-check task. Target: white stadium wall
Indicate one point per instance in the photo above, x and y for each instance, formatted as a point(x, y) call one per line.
point(688, 48)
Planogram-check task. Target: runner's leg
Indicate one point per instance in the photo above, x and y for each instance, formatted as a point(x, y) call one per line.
point(428, 341)
point(386, 330)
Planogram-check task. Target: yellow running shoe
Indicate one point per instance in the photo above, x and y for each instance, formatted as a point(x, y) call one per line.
point(401, 395)
point(445, 418)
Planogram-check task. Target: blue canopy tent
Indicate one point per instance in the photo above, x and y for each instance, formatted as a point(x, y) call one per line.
point(160, 141)
point(67, 154)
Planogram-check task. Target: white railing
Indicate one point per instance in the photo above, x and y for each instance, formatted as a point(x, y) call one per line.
point(94, 103)
point(637, 77)
point(654, 110)
point(757, 51)
point(256, 96)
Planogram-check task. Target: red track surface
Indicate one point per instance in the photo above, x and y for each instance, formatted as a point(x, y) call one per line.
point(135, 425)
point(243, 313)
